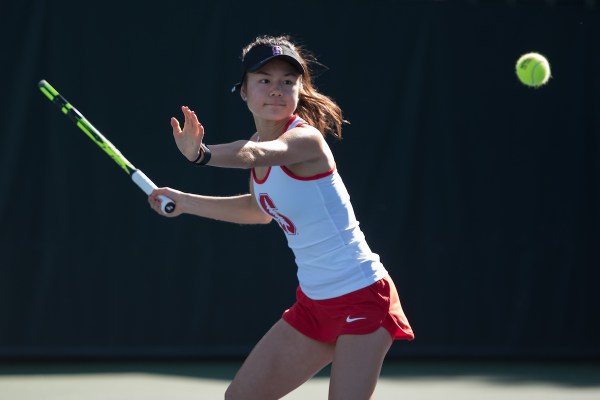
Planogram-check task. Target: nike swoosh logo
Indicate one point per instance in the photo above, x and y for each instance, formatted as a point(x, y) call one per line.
point(348, 319)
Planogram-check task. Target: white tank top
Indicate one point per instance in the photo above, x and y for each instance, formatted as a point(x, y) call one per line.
point(317, 218)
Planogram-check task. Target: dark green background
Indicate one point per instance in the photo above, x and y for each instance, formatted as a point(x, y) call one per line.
point(480, 195)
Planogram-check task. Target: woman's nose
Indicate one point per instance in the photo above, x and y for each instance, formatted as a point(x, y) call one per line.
point(276, 90)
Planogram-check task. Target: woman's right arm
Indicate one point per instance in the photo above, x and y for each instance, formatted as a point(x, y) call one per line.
point(241, 209)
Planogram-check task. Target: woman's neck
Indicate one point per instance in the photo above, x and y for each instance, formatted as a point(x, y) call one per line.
point(270, 130)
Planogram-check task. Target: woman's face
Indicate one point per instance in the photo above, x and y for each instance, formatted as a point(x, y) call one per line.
point(272, 92)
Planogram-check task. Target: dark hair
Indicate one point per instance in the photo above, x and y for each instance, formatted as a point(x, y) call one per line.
point(317, 109)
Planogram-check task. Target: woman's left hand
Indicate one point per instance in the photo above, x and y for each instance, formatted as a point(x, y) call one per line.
point(189, 138)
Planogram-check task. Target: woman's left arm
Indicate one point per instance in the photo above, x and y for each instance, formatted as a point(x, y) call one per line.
point(302, 144)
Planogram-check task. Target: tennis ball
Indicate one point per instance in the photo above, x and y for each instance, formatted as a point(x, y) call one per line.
point(533, 69)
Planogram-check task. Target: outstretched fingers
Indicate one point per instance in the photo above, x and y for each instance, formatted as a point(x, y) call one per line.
point(196, 124)
point(191, 121)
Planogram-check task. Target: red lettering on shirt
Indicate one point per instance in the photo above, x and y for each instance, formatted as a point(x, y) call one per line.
point(269, 206)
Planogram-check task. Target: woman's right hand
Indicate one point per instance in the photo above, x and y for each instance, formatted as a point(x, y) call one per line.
point(172, 194)
point(189, 138)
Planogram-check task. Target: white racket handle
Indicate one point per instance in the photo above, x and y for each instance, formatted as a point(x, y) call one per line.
point(167, 205)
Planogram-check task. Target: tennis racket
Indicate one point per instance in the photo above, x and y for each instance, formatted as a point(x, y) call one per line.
point(140, 179)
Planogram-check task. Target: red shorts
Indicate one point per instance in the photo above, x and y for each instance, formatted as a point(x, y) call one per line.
point(357, 313)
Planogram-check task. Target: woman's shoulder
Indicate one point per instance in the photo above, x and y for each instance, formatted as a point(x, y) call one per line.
point(304, 129)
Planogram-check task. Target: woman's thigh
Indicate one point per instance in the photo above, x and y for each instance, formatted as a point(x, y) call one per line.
point(280, 362)
point(357, 363)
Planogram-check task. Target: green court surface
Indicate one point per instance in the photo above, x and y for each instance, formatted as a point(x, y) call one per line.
point(406, 380)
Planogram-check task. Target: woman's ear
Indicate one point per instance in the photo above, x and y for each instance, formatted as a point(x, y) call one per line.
point(243, 93)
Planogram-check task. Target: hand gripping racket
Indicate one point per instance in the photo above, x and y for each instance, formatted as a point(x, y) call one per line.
point(140, 179)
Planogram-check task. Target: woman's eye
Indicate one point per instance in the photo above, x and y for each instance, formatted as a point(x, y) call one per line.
point(264, 81)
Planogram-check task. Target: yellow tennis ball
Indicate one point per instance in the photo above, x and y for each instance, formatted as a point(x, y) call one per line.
point(533, 69)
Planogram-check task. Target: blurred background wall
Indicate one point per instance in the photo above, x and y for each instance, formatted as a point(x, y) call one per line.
point(480, 195)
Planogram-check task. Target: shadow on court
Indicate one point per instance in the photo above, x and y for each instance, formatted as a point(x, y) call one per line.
point(189, 369)
point(407, 380)
point(571, 374)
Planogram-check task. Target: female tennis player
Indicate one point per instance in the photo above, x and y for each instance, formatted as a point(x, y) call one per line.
point(347, 311)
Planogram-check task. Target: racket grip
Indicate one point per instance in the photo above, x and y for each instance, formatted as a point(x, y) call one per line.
point(167, 205)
